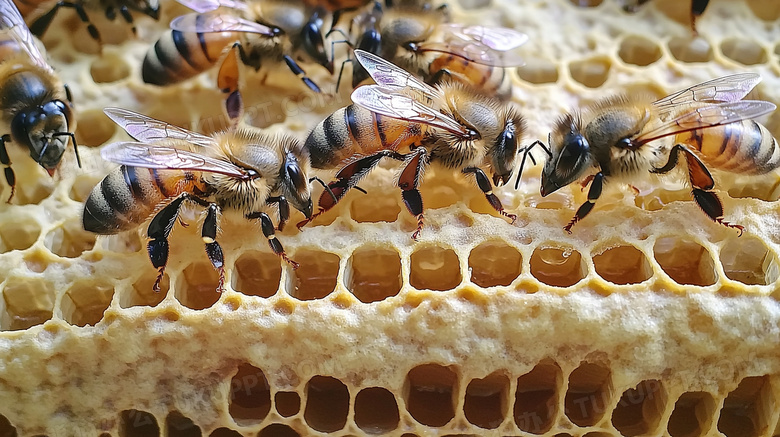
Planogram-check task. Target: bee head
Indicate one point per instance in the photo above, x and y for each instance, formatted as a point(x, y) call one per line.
point(44, 130)
point(504, 149)
point(571, 156)
point(294, 180)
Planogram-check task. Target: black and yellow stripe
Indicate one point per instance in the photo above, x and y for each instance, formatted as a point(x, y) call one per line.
point(178, 56)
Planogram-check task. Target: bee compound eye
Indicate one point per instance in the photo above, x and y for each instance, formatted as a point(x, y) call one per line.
point(294, 173)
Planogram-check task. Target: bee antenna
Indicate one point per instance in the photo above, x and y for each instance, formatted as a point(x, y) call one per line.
point(325, 186)
point(526, 151)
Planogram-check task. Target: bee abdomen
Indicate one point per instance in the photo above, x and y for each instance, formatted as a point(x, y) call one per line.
point(178, 56)
point(745, 147)
point(121, 201)
point(331, 140)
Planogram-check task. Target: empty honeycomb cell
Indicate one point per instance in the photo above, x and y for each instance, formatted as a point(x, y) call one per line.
point(82, 185)
point(640, 409)
point(375, 208)
point(539, 72)
point(494, 263)
point(376, 411)
point(224, 432)
point(767, 10)
point(440, 195)
point(198, 286)
point(135, 423)
point(6, 429)
point(28, 302)
point(33, 194)
point(749, 261)
point(288, 403)
point(374, 274)
point(690, 50)
point(85, 302)
point(744, 51)
point(257, 274)
point(623, 265)
point(176, 425)
point(590, 72)
point(429, 393)
point(250, 396)
point(485, 402)
point(316, 277)
point(18, 234)
point(434, 268)
point(638, 50)
point(692, 415)
point(558, 267)
point(685, 261)
point(142, 294)
point(69, 240)
point(327, 404)
point(747, 410)
point(657, 199)
point(94, 128)
point(588, 394)
point(536, 399)
point(278, 430)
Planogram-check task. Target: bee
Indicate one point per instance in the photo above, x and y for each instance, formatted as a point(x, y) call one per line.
point(35, 105)
point(240, 171)
point(711, 126)
point(403, 118)
point(697, 9)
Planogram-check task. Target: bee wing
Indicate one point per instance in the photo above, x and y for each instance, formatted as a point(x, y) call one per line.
point(496, 38)
point(12, 23)
point(147, 129)
point(161, 157)
point(214, 21)
point(212, 5)
point(404, 107)
point(480, 44)
point(723, 89)
point(708, 116)
point(390, 76)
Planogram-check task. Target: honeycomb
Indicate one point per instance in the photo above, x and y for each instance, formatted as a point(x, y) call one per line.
point(648, 320)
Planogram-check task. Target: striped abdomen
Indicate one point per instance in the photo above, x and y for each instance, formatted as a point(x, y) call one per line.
point(491, 80)
point(128, 196)
point(744, 147)
point(178, 56)
point(355, 130)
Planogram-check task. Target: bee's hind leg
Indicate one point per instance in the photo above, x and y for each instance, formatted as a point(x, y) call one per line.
point(408, 181)
point(268, 229)
point(484, 184)
point(596, 185)
point(159, 229)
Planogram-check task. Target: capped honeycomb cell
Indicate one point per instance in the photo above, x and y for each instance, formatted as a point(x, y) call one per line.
point(623, 265)
point(288, 403)
point(536, 399)
point(278, 430)
point(638, 50)
point(434, 268)
point(558, 267)
point(18, 234)
point(690, 50)
point(327, 404)
point(744, 51)
point(250, 396)
point(257, 274)
point(374, 274)
point(639, 409)
point(539, 72)
point(685, 261)
point(28, 302)
point(142, 293)
point(747, 409)
point(692, 415)
point(224, 432)
point(591, 72)
point(429, 394)
point(316, 276)
point(376, 411)
point(136, 423)
point(198, 286)
point(494, 263)
point(749, 261)
point(588, 394)
point(69, 240)
point(176, 425)
point(85, 302)
point(94, 128)
point(486, 401)
point(375, 208)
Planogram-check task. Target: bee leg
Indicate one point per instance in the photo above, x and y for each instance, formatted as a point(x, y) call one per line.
point(284, 210)
point(128, 18)
point(228, 81)
point(408, 181)
point(39, 26)
point(267, 227)
point(111, 13)
point(483, 182)
point(159, 229)
point(213, 249)
point(593, 194)
point(10, 176)
point(298, 71)
point(697, 8)
point(584, 183)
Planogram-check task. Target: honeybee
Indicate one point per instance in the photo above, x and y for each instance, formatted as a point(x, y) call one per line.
point(35, 105)
point(619, 136)
point(241, 170)
point(405, 119)
point(697, 9)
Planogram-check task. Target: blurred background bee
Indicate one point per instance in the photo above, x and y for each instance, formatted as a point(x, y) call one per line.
point(240, 171)
point(697, 9)
point(619, 136)
point(36, 106)
point(452, 126)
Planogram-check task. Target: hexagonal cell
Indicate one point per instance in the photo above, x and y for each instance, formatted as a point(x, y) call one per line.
point(31, 193)
point(82, 186)
point(657, 199)
point(749, 261)
point(18, 234)
point(685, 261)
point(747, 410)
point(69, 240)
point(257, 274)
point(539, 72)
point(589, 393)
point(224, 432)
point(494, 263)
point(28, 302)
point(316, 277)
point(373, 274)
point(376, 411)
point(250, 396)
point(536, 400)
point(85, 302)
point(429, 392)
point(623, 265)
point(486, 401)
point(372, 209)
point(176, 425)
point(288, 403)
point(6, 429)
point(767, 10)
point(591, 72)
point(744, 51)
point(136, 423)
point(638, 50)
point(198, 286)
point(434, 268)
point(640, 409)
point(142, 293)
point(440, 195)
point(278, 430)
point(692, 415)
point(327, 404)
point(94, 128)
point(558, 267)
point(687, 49)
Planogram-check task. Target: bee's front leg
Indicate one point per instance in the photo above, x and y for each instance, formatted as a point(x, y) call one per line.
point(269, 231)
point(10, 176)
point(594, 193)
point(213, 249)
point(483, 182)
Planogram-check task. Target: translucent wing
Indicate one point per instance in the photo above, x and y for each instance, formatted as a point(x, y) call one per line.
point(212, 5)
point(214, 21)
point(391, 77)
point(152, 156)
point(480, 44)
point(496, 38)
point(147, 129)
point(708, 116)
point(12, 23)
point(723, 89)
point(403, 107)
